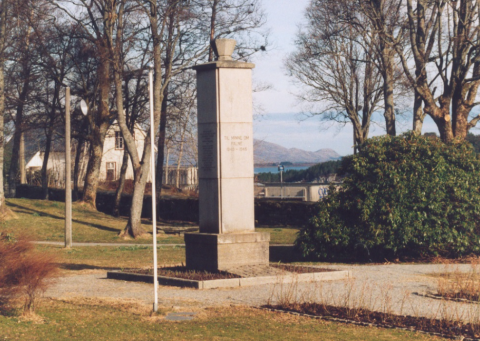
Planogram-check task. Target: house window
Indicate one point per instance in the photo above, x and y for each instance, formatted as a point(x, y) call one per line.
point(111, 171)
point(118, 140)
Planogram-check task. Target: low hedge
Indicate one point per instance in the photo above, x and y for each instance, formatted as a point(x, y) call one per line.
point(294, 213)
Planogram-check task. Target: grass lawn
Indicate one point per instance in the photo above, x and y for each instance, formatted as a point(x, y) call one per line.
point(90, 320)
point(44, 220)
point(113, 257)
point(280, 235)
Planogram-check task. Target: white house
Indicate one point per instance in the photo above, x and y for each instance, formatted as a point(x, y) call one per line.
point(112, 159)
point(113, 148)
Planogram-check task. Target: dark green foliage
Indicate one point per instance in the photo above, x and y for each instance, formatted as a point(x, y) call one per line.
point(475, 141)
point(269, 177)
point(308, 175)
point(405, 196)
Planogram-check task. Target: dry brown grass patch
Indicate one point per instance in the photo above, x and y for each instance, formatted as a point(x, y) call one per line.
point(453, 283)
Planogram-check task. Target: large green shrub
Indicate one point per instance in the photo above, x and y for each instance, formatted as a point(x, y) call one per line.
point(404, 196)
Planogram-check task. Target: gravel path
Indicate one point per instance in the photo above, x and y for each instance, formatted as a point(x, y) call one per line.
point(381, 287)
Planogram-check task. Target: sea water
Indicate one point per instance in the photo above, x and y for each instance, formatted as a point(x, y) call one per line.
point(257, 170)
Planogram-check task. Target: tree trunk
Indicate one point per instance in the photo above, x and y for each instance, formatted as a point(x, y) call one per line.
point(140, 169)
point(13, 172)
point(94, 163)
point(15, 162)
point(213, 19)
point(3, 17)
point(167, 160)
point(418, 114)
point(76, 168)
point(48, 145)
point(46, 155)
point(3, 208)
point(121, 184)
point(179, 162)
point(388, 81)
point(460, 123)
point(180, 156)
point(161, 144)
point(441, 118)
point(462, 103)
point(89, 196)
point(134, 225)
point(99, 130)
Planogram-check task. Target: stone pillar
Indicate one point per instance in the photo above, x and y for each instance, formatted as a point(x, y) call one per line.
point(227, 235)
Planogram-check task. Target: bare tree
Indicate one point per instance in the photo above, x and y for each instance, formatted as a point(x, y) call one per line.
point(134, 100)
point(384, 25)
point(211, 19)
point(97, 19)
point(165, 28)
point(335, 64)
point(55, 39)
point(445, 46)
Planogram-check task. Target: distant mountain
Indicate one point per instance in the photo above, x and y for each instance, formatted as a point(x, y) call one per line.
point(267, 152)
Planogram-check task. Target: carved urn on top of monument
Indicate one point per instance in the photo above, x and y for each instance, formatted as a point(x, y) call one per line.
point(227, 237)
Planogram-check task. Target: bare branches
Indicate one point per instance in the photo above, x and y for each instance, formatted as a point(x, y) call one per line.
point(335, 68)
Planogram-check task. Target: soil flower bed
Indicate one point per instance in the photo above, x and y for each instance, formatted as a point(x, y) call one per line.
point(445, 327)
point(300, 269)
point(183, 273)
point(458, 296)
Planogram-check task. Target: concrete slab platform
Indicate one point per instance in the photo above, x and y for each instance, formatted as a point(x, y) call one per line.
point(286, 277)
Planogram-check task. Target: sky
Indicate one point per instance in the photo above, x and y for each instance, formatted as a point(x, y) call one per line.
point(280, 119)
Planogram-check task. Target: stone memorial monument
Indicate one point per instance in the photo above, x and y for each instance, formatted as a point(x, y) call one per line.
point(227, 237)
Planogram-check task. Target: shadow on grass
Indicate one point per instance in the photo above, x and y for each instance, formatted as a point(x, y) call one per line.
point(76, 267)
point(42, 213)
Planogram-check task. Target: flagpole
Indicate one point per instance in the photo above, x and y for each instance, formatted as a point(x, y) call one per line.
point(154, 199)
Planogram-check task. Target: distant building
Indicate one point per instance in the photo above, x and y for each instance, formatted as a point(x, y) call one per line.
point(111, 163)
point(292, 191)
point(187, 176)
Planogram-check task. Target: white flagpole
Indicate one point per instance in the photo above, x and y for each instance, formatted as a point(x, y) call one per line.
point(154, 206)
point(68, 174)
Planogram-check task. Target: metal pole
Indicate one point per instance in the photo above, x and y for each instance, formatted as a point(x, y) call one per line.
point(68, 174)
point(154, 199)
point(281, 183)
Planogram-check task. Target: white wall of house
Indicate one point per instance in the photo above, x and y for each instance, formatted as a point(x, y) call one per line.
point(113, 148)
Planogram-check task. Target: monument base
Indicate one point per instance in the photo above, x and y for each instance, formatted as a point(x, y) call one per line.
point(212, 252)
